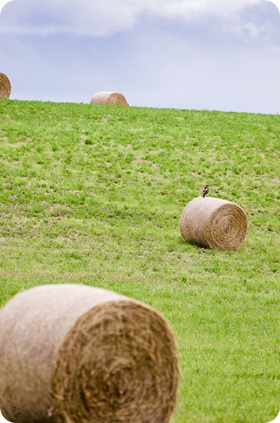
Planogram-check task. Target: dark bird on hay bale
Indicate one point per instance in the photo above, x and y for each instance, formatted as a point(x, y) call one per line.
point(205, 191)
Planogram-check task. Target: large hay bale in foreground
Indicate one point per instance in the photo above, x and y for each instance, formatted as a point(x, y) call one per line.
point(214, 223)
point(73, 353)
point(109, 97)
point(5, 86)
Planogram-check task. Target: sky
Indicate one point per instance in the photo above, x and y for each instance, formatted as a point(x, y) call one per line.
point(183, 54)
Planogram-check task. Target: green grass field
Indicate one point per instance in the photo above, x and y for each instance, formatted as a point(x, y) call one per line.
point(94, 194)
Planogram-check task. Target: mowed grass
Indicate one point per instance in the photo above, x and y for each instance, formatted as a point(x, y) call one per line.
point(94, 194)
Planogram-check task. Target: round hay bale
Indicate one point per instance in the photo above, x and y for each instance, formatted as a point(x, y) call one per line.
point(5, 86)
point(214, 223)
point(109, 97)
point(73, 353)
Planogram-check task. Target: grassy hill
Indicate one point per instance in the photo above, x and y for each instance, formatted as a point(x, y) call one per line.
point(94, 194)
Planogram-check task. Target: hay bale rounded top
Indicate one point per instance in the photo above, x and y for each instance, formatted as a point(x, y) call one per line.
point(109, 97)
point(5, 86)
point(81, 354)
point(214, 223)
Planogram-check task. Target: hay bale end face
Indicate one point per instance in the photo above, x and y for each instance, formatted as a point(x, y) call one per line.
point(214, 223)
point(82, 354)
point(5, 86)
point(109, 97)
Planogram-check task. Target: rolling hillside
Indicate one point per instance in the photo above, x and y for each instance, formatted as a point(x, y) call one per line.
point(94, 194)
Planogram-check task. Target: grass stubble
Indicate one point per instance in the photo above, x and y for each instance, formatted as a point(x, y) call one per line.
point(94, 194)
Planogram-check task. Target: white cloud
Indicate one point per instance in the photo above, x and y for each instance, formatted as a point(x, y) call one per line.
point(105, 17)
point(155, 64)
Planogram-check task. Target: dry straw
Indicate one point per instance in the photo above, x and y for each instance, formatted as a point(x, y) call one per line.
point(109, 97)
point(5, 86)
point(73, 353)
point(214, 223)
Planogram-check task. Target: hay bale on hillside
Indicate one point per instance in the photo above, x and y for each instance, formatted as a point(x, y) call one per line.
point(5, 86)
point(82, 354)
point(109, 97)
point(214, 223)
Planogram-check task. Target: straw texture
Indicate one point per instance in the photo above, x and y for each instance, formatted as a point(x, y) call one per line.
point(72, 353)
point(5, 86)
point(214, 223)
point(109, 97)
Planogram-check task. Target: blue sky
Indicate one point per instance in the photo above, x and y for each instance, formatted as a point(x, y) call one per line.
point(187, 54)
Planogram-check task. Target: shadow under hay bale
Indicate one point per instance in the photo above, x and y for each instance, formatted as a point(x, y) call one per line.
point(109, 97)
point(214, 223)
point(5, 86)
point(82, 354)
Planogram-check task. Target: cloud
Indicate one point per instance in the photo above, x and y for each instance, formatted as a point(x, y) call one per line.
point(160, 62)
point(106, 17)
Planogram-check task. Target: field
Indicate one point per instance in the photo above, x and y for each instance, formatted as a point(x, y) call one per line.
point(94, 194)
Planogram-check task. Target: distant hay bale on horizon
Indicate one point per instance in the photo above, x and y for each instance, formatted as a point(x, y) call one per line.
point(214, 223)
point(76, 353)
point(5, 86)
point(109, 97)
